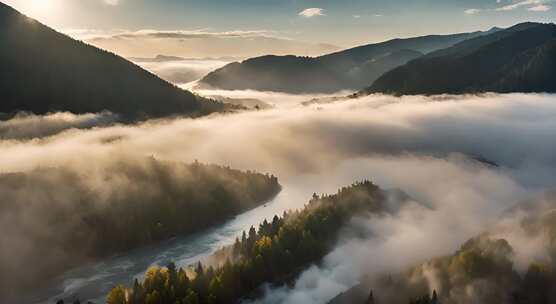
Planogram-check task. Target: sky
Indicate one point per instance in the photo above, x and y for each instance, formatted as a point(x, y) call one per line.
point(336, 23)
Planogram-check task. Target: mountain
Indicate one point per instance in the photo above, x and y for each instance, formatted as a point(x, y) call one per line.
point(349, 69)
point(519, 59)
point(249, 103)
point(158, 58)
point(44, 71)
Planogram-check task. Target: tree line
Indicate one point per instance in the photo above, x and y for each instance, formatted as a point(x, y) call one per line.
point(62, 217)
point(273, 253)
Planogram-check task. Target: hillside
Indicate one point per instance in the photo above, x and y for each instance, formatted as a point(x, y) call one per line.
point(44, 71)
point(519, 59)
point(278, 250)
point(498, 266)
point(349, 69)
point(63, 217)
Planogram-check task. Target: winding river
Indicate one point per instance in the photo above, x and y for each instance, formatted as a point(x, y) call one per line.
point(92, 282)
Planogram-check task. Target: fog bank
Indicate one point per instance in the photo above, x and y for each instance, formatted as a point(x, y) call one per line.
point(27, 125)
point(181, 71)
point(467, 158)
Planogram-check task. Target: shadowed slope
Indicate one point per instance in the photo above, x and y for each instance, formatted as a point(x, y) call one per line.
point(43, 71)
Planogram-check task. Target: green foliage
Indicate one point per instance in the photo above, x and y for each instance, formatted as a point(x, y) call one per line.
point(44, 71)
point(482, 271)
point(120, 206)
point(117, 295)
point(273, 253)
point(212, 194)
point(481, 258)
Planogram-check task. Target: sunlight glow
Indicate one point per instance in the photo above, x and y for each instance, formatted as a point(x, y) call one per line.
point(46, 11)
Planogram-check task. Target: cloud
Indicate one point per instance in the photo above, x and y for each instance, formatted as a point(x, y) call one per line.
point(533, 5)
point(312, 12)
point(472, 11)
point(27, 125)
point(94, 34)
point(539, 8)
point(373, 15)
point(391, 244)
point(371, 125)
point(200, 43)
point(470, 155)
point(530, 5)
point(181, 71)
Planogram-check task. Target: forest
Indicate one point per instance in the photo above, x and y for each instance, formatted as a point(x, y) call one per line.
point(485, 269)
point(482, 271)
point(125, 205)
point(273, 253)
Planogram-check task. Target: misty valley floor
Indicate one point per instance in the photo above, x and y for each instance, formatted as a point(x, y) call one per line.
point(473, 156)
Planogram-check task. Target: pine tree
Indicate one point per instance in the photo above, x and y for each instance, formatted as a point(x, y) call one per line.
point(434, 299)
point(116, 295)
point(370, 299)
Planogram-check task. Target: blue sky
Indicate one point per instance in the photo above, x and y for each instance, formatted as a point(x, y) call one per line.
point(339, 22)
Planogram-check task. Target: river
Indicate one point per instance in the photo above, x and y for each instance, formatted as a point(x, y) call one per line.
point(92, 282)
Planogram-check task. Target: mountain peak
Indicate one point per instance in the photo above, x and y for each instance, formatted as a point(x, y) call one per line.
point(45, 71)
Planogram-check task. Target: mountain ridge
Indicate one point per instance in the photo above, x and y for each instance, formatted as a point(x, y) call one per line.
point(519, 59)
point(350, 69)
point(42, 71)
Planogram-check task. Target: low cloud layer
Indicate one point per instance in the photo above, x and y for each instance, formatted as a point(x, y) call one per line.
point(455, 199)
point(26, 125)
point(182, 71)
point(463, 159)
point(199, 43)
point(513, 131)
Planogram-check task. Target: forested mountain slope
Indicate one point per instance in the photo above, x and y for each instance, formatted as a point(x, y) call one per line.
point(44, 71)
point(511, 263)
point(519, 59)
point(62, 217)
point(349, 69)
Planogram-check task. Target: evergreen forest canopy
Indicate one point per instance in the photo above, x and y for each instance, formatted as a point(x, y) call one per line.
point(61, 217)
point(273, 253)
point(43, 71)
point(519, 59)
point(486, 269)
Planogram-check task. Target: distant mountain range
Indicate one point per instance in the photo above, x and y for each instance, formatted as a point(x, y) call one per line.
point(158, 58)
point(519, 59)
point(350, 69)
point(248, 103)
point(167, 58)
point(44, 71)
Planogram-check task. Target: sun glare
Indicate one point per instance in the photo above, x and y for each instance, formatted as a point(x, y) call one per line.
point(38, 5)
point(42, 10)
point(42, 7)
